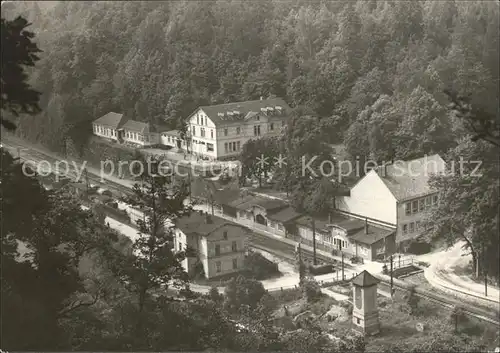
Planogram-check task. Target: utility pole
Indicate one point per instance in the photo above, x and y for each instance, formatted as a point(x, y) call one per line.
point(314, 241)
point(87, 180)
point(343, 266)
point(392, 282)
point(485, 273)
point(189, 182)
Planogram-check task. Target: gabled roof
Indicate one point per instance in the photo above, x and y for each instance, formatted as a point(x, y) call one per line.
point(409, 179)
point(175, 133)
point(325, 225)
point(196, 224)
point(374, 235)
point(113, 120)
point(246, 202)
point(284, 215)
point(136, 126)
point(365, 279)
point(244, 110)
point(159, 128)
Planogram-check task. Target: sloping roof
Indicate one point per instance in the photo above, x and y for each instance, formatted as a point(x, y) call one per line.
point(339, 220)
point(196, 223)
point(224, 196)
point(137, 126)
point(284, 215)
point(409, 179)
point(175, 133)
point(320, 224)
point(159, 128)
point(114, 120)
point(244, 109)
point(245, 202)
point(374, 235)
point(365, 279)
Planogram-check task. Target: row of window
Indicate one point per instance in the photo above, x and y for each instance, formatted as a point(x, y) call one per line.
point(256, 130)
point(234, 146)
point(234, 246)
point(209, 146)
point(218, 265)
point(201, 119)
point(202, 132)
point(411, 227)
point(420, 205)
point(339, 243)
point(170, 139)
point(136, 136)
point(108, 132)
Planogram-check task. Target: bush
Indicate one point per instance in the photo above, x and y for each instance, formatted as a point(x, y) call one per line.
point(317, 270)
point(356, 260)
point(259, 267)
point(214, 295)
point(312, 290)
point(457, 316)
point(419, 248)
point(288, 295)
point(348, 306)
point(198, 271)
point(412, 300)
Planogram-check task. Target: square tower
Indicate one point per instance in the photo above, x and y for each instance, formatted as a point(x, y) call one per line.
point(365, 311)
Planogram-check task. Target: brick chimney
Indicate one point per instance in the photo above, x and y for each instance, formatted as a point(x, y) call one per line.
point(366, 225)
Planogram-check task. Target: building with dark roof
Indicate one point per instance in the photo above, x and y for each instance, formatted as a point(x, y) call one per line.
point(218, 245)
point(117, 127)
point(221, 130)
point(351, 236)
point(397, 195)
point(268, 214)
point(107, 126)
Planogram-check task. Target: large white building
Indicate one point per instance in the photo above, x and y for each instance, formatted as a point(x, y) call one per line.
point(219, 131)
point(396, 195)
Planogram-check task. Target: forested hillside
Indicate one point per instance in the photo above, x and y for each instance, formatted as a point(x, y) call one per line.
point(379, 67)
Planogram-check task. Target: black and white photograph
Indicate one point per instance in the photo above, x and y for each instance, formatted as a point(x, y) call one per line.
point(250, 176)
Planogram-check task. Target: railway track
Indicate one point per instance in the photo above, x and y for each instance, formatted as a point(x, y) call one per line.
point(478, 312)
point(282, 250)
point(286, 251)
point(34, 156)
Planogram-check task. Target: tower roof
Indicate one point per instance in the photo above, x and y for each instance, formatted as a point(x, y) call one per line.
point(365, 279)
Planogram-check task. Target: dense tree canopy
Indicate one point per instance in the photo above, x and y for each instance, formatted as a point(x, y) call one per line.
point(158, 61)
point(19, 53)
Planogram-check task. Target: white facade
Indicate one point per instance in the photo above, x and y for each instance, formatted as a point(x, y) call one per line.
point(221, 252)
point(142, 139)
point(228, 138)
point(370, 198)
point(203, 135)
point(105, 131)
